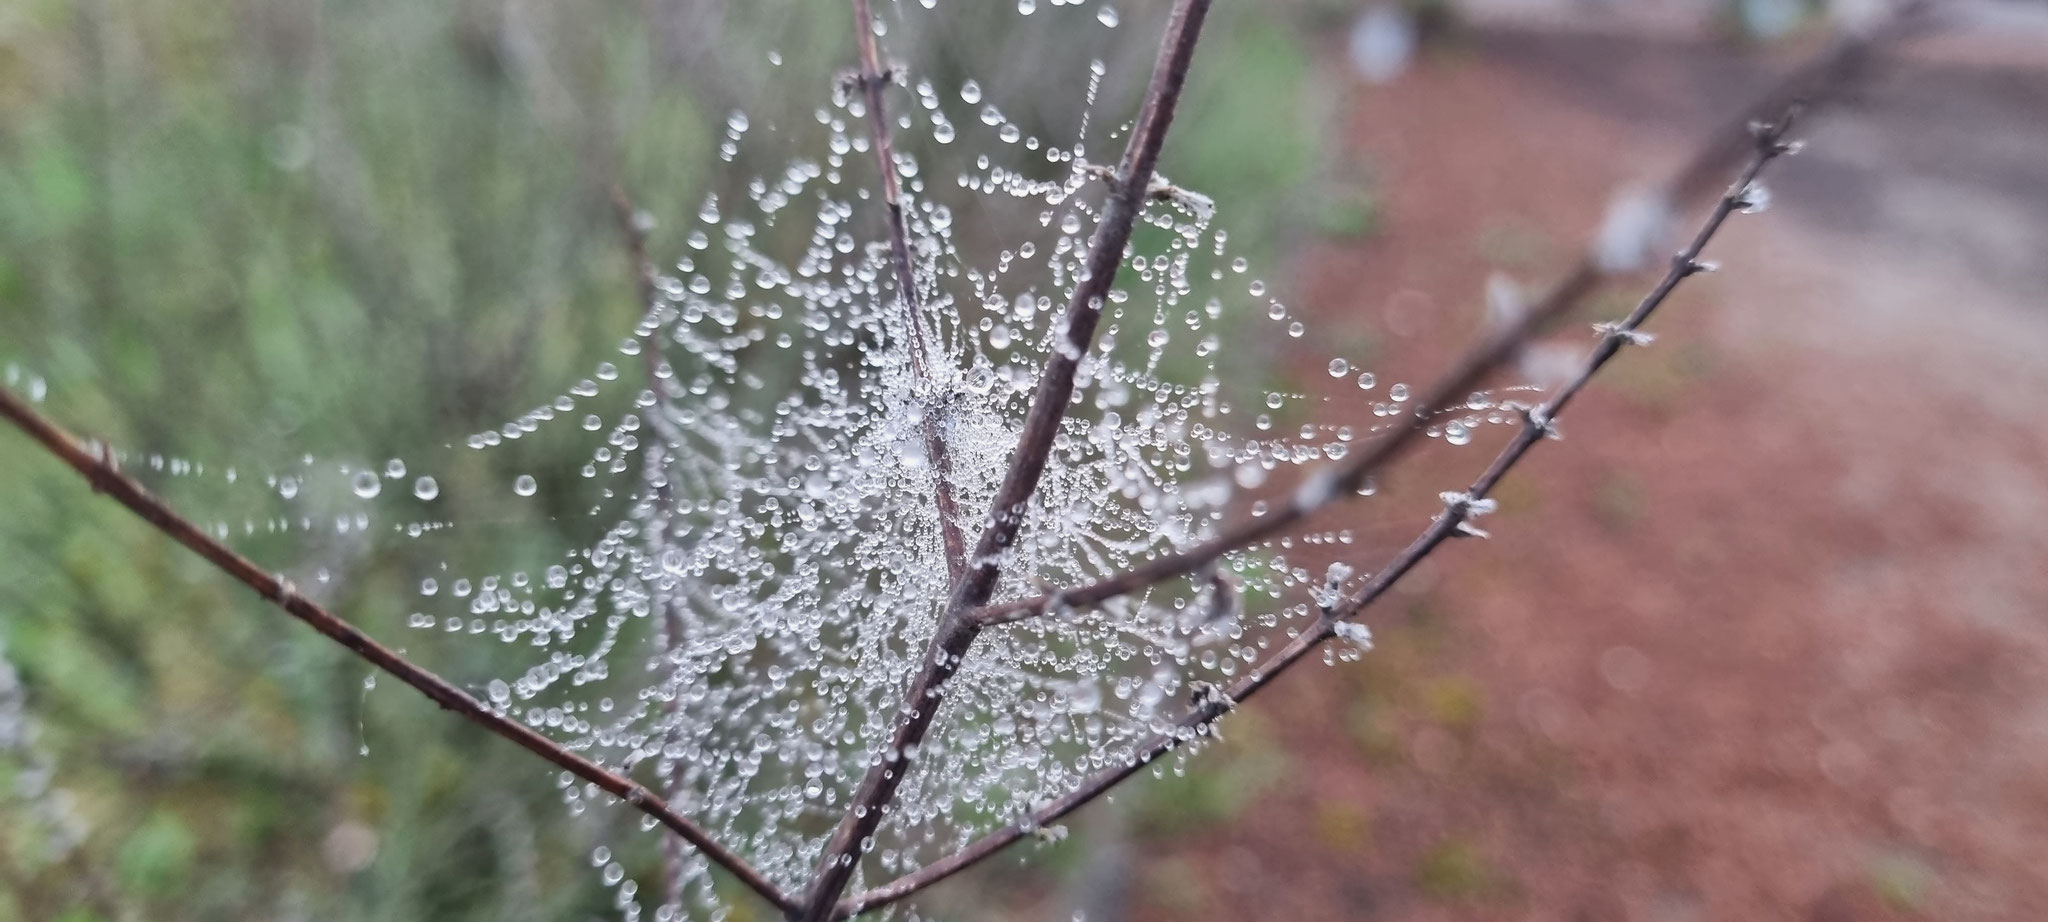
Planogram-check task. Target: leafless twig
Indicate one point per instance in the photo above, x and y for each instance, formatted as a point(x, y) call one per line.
point(956, 632)
point(871, 80)
point(1819, 78)
point(95, 464)
point(1451, 522)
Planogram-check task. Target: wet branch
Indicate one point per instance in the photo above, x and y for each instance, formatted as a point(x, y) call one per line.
point(1453, 521)
point(956, 632)
point(1821, 77)
point(871, 80)
point(95, 463)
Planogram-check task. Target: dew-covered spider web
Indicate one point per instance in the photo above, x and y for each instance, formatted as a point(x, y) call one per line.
point(766, 566)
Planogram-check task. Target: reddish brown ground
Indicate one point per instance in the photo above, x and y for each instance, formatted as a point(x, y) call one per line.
point(1766, 636)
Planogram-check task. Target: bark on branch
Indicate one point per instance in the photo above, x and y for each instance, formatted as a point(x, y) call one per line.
point(955, 633)
point(95, 464)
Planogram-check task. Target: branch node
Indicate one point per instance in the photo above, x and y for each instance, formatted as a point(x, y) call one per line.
point(1624, 333)
point(1353, 633)
point(1539, 418)
point(1463, 507)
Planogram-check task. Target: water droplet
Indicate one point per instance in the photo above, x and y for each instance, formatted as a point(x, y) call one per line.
point(1339, 367)
point(1071, 224)
point(1458, 434)
point(1025, 7)
point(366, 484)
point(1756, 198)
point(1399, 392)
point(394, 468)
point(426, 488)
point(1366, 380)
point(524, 485)
point(500, 692)
point(970, 92)
point(1107, 17)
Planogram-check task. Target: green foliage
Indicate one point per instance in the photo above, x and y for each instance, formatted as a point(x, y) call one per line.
point(241, 231)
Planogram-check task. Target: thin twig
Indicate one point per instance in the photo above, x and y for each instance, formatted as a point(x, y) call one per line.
point(96, 466)
point(1197, 722)
point(1817, 78)
point(872, 80)
point(955, 632)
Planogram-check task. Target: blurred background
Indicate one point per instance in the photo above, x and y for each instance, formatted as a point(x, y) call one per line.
point(1765, 637)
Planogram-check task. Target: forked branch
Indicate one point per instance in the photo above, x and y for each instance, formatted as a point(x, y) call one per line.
point(1819, 78)
point(1076, 336)
point(1196, 722)
point(95, 463)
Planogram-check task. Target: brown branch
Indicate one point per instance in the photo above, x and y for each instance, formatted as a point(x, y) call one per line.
point(872, 79)
point(1819, 77)
point(1450, 523)
point(95, 464)
point(955, 632)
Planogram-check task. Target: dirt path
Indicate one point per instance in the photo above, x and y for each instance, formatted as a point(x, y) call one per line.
point(1766, 637)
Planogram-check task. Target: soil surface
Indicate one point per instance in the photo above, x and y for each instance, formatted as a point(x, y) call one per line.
point(1766, 635)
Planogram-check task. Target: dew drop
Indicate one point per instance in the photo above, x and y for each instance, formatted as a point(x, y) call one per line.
point(1107, 17)
point(426, 488)
point(524, 485)
point(366, 484)
point(970, 92)
point(1339, 367)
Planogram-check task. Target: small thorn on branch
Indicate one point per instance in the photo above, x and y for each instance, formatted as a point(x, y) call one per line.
point(1539, 420)
point(1353, 633)
point(1331, 592)
point(1625, 333)
point(1465, 507)
point(1160, 189)
point(1213, 700)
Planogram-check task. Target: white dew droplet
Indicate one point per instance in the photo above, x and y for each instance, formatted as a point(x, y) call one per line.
point(524, 485)
point(1107, 16)
point(366, 484)
point(425, 488)
point(394, 468)
point(1339, 367)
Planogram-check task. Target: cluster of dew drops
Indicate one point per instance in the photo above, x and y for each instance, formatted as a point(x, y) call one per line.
point(766, 566)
